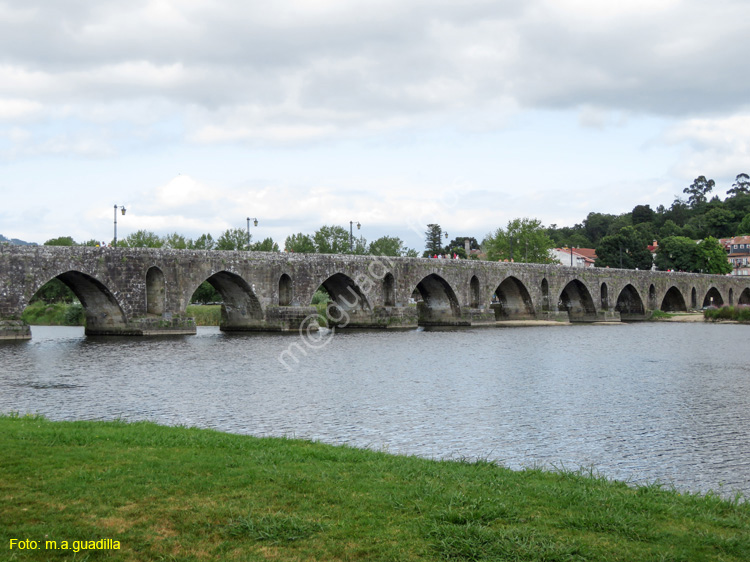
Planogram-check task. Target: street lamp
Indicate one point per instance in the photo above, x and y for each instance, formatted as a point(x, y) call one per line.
point(122, 209)
point(351, 234)
point(255, 223)
point(571, 255)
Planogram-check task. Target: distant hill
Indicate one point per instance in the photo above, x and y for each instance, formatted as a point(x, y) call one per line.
point(15, 241)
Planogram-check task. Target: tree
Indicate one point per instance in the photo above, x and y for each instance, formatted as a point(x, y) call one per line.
point(718, 222)
point(267, 245)
point(698, 190)
point(91, 243)
point(676, 253)
point(741, 185)
point(595, 227)
point(331, 240)
point(387, 246)
point(61, 241)
point(54, 291)
point(642, 213)
point(711, 257)
point(299, 244)
point(669, 228)
point(625, 249)
point(143, 239)
point(433, 239)
point(206, 293)
point(176, 241)
point(744, 227)
point(203, 242)
point(523, 240)
point(233, 239)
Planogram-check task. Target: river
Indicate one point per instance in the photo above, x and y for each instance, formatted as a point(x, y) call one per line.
point(649, 402)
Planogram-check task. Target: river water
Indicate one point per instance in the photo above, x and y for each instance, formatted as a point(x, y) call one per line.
point(651, 402)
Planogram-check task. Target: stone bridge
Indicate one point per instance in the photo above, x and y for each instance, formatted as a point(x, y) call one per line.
point(145, 291)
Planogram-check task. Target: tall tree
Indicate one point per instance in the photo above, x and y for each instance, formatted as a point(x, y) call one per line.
point(642, 213)
point(698, 190)
point(203, 242)
point(711, 257)
point(741, 185)
point(625, 249)
point(233, 239)
point(676, 253)
point(267, 245)
point(433, 239)
point(299, 244)
point(143, 239)
point(331, 240)
point(387, 246)
point(176, 241)
point(522, 240)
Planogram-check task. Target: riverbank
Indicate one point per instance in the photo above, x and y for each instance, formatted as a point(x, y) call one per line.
point(188, 494)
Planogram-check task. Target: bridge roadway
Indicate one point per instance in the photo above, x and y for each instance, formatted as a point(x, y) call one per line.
point(145, 291)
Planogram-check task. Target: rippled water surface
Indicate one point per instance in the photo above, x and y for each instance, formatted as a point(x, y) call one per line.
point(638, 402)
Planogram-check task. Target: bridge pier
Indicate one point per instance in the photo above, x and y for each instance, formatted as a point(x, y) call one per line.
point(14, 330)
point(276, 319)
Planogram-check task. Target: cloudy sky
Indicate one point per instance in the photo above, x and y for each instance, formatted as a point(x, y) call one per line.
point(196, 114)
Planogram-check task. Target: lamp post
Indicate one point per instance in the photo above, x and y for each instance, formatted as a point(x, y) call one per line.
point(255, 223)
point(122, 209)
point(351, 234)
point(571, 255)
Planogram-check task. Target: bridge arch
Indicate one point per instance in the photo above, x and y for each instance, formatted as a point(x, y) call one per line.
point(389, 290)
point(156, 291)
point(731, 297)
point(347, 298)
point(545, 295)
point(713, 298)
point(104, 314)
point(241, 308)
point(474, 292)
point(673, 301)
point(630, 304)
point(439, 304)
point(693, 299)
point(575, 299)
point(513, 300)
point(652, 297)
point(604, 293)
point(744, 297)
point(285, 290)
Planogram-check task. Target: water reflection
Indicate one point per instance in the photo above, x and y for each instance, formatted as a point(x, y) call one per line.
point(639, 402)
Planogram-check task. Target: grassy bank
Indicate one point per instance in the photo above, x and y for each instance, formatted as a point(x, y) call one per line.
point(205, 314)
point(739, 313)
point(188, 494)
point(40, 313)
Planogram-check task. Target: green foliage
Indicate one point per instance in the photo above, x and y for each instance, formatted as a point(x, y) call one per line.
point(299, 244)
point(698, 190)
point(233, 239)
point(61, 241)
point(176, 241)
point(331, 240)
point(41, 313)
point(205, 315)
point(387, 246)
point(433, 240)
point(92, 243)
point(741, 185)
point(143, 239)
point(626, 249)
point(203, 242)
point(206, 293)
point(710, 257)
point(267, 245)
point(676, 253)
point(54, 291)
point(523, 240)
point(739, 313)
point(642, 214)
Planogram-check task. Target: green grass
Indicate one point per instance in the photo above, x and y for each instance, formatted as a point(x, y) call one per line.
point(188, 494)
point(205, 315)
point(661, 315)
